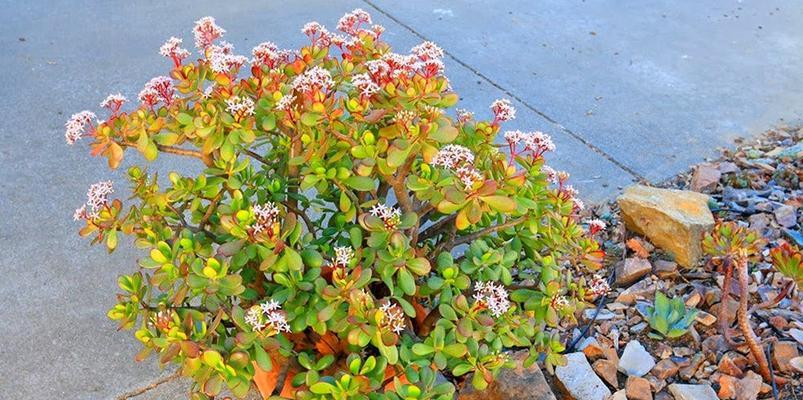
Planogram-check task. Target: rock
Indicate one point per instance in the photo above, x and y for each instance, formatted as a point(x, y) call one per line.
point(665, 269)
point(514, 383)
point(682, 351)
point(635, 360)
point(797, 364)
point(778, 322)
point(714, 344)
point(631, 270)
point(728, 367)
point(759, 221)
point(665, 369)
point(619, 395)
point(705, 178)
point(706, 318)
point(663, 396)
point(606, 369)
point(638, 388)
point(579, 379)
point(638, 328)
point(797, 334)
point(656, 385)
point(748, 387)
point(603, 315)
point(692, 392)
point(727, 167)
point(786, 216)
point(733, 307)
point(727, 387)
point(694, 299)
point(644, 289)
point(688, 371)
point(591, 348)
point(782, 354)
point(673, 220)
point(793, 152)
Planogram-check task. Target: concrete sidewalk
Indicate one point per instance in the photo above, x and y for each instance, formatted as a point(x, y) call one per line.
point(628, 89)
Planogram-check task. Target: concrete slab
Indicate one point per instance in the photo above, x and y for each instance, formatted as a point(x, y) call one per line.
point(59, 58)
point(656, 85)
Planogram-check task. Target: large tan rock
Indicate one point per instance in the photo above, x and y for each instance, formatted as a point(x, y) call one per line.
point(674, 220)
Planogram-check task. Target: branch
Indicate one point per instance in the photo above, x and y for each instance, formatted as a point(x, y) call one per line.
point(487, 231)
point(436, 228)
point(307, 221)
point(185, 152)
point(255, 156)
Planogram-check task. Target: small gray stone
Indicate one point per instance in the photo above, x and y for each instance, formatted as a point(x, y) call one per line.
point(692, 392)
point(786, 216)
point(797, 334)
point(580, 380)
point(603, 315)
point(635, 360)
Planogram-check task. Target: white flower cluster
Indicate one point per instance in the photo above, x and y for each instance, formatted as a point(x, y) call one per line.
point(267, 53)
point(350, 22)
point(113, 102)
point(240, 107)
point(578, 204)
point(221, 59)
point(315, 78)
point(96, 198)
point(266, 216)
point(286, 102)
point(404, 117)
point(365, 84)
point(267, 315)
point(157, 89)
point(392, 317)
point(391, 216)
point(503, 110)
point(172, 48)
point(452, 156)
point(76, 125)
point(559, 302)
point(598, 287)
point(493, 296)
point(343, 256)
point(205, 32)
point(458, 159)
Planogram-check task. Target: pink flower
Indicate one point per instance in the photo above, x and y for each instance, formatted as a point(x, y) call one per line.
point(77, 124)
point(598, 287)
point(172, 48)
point(162, 86)
point(503, 110)
point(551, 174)
point(206, 32)
point(464, 116)
point(427, 51)
point(97, 197)
point(350, 22)
point(114, 102)
point(222, 61)
point(318, 34)
point(596, 225)
point(268, 54)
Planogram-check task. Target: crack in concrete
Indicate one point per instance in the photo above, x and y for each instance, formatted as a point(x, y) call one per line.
point(507, 92)
point(151, 386)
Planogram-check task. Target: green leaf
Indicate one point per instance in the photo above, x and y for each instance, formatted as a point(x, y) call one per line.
point(445, 133)
point(500, 203)
point(322, 388)
point(310, 118)
point(111, 240)
point(406, 282)
point(262, 358)
point(361, 183)
point(422, 349)
point(294, 260)
point(462, 369)
point(184, 118)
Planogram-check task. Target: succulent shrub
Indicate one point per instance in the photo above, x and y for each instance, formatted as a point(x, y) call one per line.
point(343, 236)
point(788, 260)
point(670, 318)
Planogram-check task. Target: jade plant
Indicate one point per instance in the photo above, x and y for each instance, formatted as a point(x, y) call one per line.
point(669, 318)
point(732, 249)
point(342, 234)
